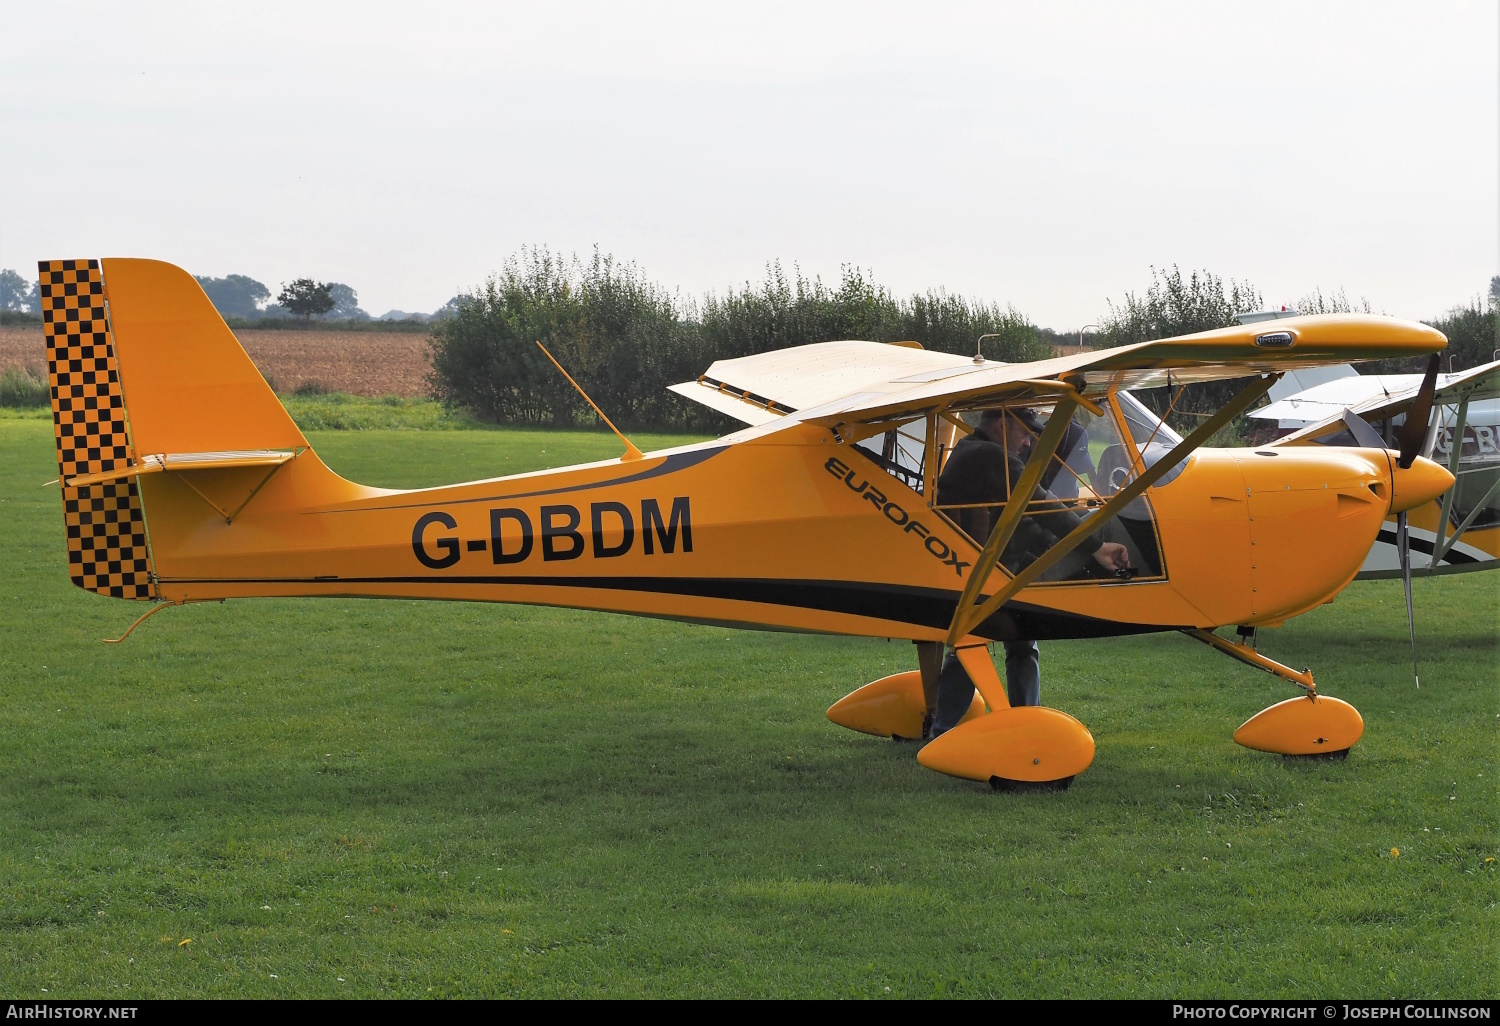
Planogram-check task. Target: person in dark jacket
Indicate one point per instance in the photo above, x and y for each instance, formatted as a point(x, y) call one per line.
point(981, 469)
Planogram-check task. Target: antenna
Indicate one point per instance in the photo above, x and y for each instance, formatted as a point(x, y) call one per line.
point(631, 452)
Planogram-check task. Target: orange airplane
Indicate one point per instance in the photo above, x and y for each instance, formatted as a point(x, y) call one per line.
point(184, 480)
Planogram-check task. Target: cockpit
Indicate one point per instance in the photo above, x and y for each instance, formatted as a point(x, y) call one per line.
point(1096, 456)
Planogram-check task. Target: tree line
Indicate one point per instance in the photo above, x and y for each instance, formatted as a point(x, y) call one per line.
point(625, 338)
point(1178, 304)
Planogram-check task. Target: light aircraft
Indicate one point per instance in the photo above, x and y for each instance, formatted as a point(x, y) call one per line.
point(1343, 407)
point(184, 480)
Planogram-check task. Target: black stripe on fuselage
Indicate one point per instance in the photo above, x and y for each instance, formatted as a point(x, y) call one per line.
point(1421, 545)
point(925, 607)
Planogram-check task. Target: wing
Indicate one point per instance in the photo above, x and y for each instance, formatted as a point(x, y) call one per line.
point(847, 382)
point(1331, 398)
point(1482, 382)
point(1235, 352)
point(767, 386)
point(1475, 384)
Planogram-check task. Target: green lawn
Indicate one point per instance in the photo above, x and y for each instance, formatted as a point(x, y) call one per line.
point(344, 798)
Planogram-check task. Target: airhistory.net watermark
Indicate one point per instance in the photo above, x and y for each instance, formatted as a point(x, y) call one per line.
point(43, 1010)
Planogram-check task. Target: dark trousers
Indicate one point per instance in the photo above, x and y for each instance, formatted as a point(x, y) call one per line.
point(1023, 684)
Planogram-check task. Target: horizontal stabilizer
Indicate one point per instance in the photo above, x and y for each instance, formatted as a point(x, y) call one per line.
point(181, 461)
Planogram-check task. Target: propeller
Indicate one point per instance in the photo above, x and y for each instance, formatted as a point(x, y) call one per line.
point(1403, 552)
point(1414, 431)
point(1413, 436)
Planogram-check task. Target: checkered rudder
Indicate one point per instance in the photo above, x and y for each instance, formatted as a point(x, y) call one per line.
point(107, 550)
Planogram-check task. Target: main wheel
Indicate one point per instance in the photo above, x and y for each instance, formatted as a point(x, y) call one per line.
point(1338, 756)
point(1029, 786)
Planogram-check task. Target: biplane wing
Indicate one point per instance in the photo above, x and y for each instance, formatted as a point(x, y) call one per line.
point(1473, 385)
point(1460, 533)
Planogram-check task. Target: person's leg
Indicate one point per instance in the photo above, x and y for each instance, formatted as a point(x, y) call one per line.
point(955, 693)
point(1023, 673)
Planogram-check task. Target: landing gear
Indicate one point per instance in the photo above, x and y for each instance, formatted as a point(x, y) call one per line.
point(1313, 725)
point(1338, 756)
point(1027, 787)
point(1030, 746)
point(892, 707)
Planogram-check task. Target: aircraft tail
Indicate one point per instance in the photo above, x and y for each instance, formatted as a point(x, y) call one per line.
point(147, 378)
point(107, 548)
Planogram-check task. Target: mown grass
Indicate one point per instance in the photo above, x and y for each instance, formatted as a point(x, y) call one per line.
point(342, 798)
point(337, 411)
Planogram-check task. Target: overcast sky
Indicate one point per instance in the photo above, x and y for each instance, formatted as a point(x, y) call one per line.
point(1045, 155)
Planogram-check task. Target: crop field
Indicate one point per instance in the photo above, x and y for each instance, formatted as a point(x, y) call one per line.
point(361, 363)
point(336, 798)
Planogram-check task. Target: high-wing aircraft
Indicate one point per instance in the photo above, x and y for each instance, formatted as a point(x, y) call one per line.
point(184, 480)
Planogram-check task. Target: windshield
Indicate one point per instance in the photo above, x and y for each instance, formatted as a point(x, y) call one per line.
point(1143, 423)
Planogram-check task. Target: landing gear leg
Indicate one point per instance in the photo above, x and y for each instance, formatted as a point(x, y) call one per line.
point(1313, 725)
point(930, 664)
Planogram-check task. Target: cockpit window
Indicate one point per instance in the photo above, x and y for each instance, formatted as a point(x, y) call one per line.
point(900, 452)
point(1145, 425)
point(1091, 465)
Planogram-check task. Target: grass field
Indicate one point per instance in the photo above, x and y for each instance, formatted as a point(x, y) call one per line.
point(355, 799)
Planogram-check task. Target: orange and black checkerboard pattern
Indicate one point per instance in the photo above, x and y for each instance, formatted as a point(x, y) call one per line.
point(107, 550)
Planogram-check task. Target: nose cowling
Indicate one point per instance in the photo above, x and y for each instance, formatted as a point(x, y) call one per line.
point(1421, 482)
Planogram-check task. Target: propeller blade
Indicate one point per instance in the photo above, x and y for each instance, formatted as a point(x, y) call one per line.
point(1403, 551)
point(1414, 431)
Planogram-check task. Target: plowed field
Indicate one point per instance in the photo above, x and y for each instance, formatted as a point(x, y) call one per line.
point(357, 362)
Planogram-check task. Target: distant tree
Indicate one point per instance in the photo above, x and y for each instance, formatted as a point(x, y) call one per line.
point(345, 303)
point(625, 338)
point(789, 310)
point(17, 294)
point(450, 308)
point(1473, 331)
point(1473, 334)
point(236, 295)
point(1335, 302)
point(306, 298)
point(1174, 305)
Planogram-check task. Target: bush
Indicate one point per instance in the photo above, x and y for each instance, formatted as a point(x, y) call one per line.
point(624, 338)
point(618, 334)
point(1473, 334)
point(1175, 306)
point(19, 387)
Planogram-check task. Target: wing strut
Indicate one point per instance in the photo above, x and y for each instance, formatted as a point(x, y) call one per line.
point(631, 452)
point(966, 616)
point(1443, 542)
point(1010, 517)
